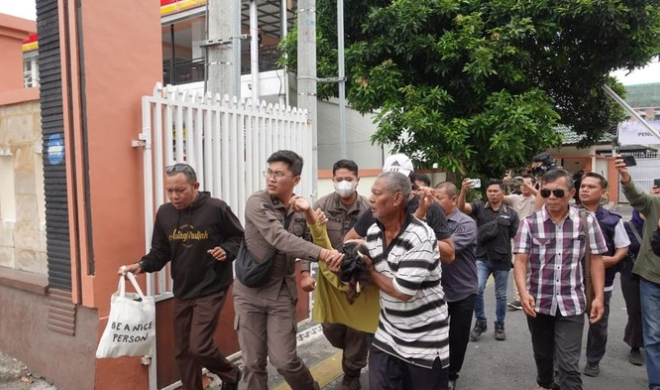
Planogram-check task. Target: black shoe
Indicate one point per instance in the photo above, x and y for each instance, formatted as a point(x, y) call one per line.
point(500, 335)
point(233, 386)
point(479, 328)
point(515, 305)
point(350, 383)
point(635, 357)
point(451, 385)
point(591, 370)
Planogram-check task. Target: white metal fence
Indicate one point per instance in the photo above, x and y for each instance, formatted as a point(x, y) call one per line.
point(643, 174)
point(227, 142)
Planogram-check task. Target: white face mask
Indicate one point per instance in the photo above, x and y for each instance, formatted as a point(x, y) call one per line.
point(345, 188)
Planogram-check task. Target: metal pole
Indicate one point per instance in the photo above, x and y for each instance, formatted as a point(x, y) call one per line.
point(238, 23)
point(632, 112)
point(173, 59)
point(307, 74)
point(342, 77)
point(284, 29)
point(219, 48)
point(254, 51)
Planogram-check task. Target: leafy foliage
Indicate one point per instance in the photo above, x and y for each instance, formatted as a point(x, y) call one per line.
point(477, 86)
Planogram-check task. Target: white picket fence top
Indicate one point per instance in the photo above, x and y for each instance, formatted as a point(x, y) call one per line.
point(227, 142)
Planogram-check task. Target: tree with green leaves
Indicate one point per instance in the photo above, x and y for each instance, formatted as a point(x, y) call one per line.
point(478, 86)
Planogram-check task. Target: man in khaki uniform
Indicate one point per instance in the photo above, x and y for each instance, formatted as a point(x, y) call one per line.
point(342, 208)
point(266, 315)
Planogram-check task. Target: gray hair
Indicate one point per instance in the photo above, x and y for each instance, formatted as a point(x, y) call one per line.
point(554, 174)
point(397, 182)
point(449, 187)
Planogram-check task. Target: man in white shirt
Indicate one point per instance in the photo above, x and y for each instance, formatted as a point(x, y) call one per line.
point(523, 204)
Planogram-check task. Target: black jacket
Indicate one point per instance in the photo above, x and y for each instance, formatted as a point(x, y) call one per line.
point(633, 249)
point(498, 249)
point(655, 242)
point(185, 236)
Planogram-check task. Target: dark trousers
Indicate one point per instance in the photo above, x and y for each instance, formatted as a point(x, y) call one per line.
point(195, 321)
point(630, 289)
point(460, 319)
point(387, 372)
point(557, 340)
point(597, 335)
point(352, 342)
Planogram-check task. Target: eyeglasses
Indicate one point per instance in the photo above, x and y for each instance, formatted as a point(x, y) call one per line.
point(185, 168)
point(558, 192)
point(275, 175)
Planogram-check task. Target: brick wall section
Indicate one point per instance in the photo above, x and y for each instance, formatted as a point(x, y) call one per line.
point(22, 235)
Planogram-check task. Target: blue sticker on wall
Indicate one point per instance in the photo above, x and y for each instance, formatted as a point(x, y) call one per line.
point(55, 149)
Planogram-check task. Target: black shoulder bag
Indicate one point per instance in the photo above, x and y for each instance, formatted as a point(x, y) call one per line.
point(251, 272)
point(489, 230)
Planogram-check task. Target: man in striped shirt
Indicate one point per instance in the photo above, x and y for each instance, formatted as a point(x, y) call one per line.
point(548, 270)
point(411, 347)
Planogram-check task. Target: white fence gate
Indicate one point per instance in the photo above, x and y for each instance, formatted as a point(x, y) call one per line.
point(643, 174)
point(226, 142)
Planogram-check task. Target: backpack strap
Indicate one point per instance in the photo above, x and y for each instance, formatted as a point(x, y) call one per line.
point(634, 230)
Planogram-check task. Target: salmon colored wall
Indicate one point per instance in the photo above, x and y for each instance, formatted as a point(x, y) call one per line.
point(13, 31)
point(117, 74)
point(613, 179)
point(121, 55)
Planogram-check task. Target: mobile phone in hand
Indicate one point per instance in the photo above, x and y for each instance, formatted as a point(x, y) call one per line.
point(656, 183)
point(629, 160)
point(476, 183)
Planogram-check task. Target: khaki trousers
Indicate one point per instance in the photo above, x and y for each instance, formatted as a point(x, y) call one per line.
point(267, 329)
point(352, 342)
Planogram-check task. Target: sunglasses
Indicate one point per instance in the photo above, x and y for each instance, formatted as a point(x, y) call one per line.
point(558, 192)
point(185, 168)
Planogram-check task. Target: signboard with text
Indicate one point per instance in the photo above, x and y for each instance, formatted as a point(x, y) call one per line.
point(631, 132)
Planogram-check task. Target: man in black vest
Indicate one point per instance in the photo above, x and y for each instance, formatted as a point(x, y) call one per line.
point(592, 188)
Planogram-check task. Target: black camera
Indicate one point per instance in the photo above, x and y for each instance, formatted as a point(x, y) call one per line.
point(547, 163)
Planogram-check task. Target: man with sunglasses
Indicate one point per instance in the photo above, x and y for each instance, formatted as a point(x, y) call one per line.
point(266, 315)
point(549, 248)
point(647, 267)
point(496, 225)
point(201, 236)
point(592, 189)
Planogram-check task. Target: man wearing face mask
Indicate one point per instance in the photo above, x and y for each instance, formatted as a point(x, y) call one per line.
point(342, 208)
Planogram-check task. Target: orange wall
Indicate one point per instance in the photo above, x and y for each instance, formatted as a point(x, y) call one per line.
point(121, 53)
point(117, 74)
point(13, 31)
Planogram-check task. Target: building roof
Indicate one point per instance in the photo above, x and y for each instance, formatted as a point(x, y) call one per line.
point(643, 95)
point(572, 138)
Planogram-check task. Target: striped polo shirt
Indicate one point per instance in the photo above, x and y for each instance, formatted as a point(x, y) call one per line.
point(416, 330)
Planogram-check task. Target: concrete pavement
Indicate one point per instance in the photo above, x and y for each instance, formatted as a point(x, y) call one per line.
point(491, 364)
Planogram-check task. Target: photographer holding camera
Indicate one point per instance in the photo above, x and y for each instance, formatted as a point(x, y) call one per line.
point(523, 205)
point(647, 267)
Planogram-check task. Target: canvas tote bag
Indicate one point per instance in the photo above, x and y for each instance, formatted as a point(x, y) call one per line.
point(131, 326)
